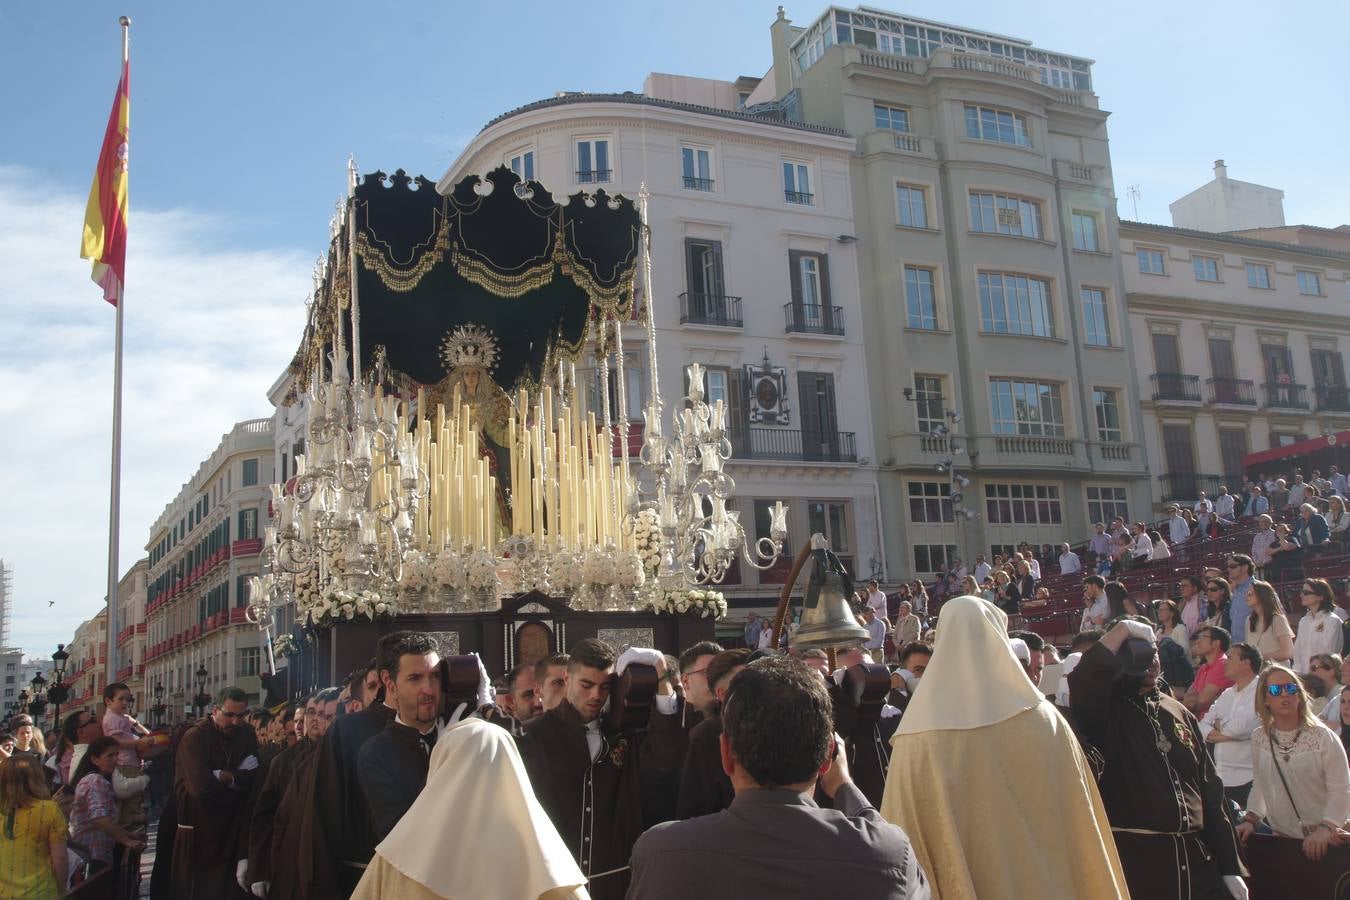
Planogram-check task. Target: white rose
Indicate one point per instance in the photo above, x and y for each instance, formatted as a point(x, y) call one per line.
point(381, 607)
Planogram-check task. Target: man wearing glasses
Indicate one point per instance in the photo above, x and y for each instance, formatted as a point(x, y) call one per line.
point(1240, 570)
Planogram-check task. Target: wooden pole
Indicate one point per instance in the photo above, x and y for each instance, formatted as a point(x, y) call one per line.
point(785, 598)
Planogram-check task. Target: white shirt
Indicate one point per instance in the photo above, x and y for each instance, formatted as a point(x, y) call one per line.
point(1067, 665)
point(1318, 632)
point(982, 572)
point(1178, 529)
point(876, 631)
point(1201, 506)
point(1338, 483)
point(1095, 615)
point(1316, 773)
point(1143, 546)
point(877, 600)
point(1235, 711)
point(1161, 550)
point(1223, 507)
point(1035, 565)
point(1069, 563)
point(1296, 494)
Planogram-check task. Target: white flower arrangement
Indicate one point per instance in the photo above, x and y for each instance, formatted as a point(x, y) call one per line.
point(285, 645)
point(417, 572)
point(630, 572)
point(481, 571)
point(648, 539)
point(564, 572)
point(448, 570)
point(337, 606)
point(598, 568)
point(697, 602)
point(305, 587)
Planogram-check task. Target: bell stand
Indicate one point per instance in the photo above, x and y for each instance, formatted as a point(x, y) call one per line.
point(785, 597)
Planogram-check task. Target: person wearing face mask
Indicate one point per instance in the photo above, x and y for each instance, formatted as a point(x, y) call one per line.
point(1158, 782)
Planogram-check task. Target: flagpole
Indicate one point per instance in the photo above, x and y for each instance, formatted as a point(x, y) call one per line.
point(114, 505)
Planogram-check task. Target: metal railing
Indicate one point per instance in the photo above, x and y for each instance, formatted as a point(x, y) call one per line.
point(1233, 391)
point(1175, 386)
point(1333, 398)
point(710, 309)
point(594, 176)
point(697, 184)
point(1188, 485)
point(801, 197)
point(809, 319)
point(1286, 395)
point(754, 442)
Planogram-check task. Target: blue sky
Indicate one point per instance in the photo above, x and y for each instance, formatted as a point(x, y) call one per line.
point(244, 114)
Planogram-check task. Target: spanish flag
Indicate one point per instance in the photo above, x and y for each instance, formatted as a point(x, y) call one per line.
point(105, 219)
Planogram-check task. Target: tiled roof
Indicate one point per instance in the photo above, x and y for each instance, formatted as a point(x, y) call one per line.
point(643, 100)
point(1229, 238)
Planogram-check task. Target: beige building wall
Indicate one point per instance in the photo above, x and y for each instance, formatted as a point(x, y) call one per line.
point(1287, 343)
point(908, 116)
point(130, 667)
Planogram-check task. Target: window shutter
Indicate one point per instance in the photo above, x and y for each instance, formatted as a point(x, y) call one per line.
point(827, 312)
point(738, 414)
point(795, 276)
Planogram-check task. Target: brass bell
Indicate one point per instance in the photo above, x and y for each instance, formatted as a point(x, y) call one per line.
point(827, 618)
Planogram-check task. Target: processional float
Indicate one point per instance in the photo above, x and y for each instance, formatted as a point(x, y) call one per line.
point(452, 459)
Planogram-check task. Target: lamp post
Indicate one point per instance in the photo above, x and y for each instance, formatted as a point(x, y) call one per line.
point(38, 704)
point(158, 708)
point(202, 700)
point(945, 432)
point(58, 693)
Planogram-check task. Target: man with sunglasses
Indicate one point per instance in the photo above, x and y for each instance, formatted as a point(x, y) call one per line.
point(216, 762)
point(1241, 572)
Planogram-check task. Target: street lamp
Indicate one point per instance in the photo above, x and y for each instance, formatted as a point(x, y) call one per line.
point(202, 700)
point(58, 693)
point(38, 704)
point(159, 703)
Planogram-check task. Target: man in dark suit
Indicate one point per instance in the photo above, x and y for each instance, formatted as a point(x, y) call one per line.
point(777, 741)
point(704, 787)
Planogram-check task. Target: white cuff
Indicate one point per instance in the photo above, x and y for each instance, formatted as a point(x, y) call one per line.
point(667, 704)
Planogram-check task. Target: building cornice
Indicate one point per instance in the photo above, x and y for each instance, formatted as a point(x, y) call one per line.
point(1151, 233)
point(1193, 308)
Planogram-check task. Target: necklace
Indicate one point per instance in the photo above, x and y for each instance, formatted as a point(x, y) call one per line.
point(1149, 708)
point(1286, 749)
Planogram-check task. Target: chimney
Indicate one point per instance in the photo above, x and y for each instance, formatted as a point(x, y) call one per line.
point(1220, 170)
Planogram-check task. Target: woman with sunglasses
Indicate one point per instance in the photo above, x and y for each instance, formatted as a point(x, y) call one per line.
point(1218, 600)
point(1267, 628)
point(1301, 783)
point(1319, 631)
point(1325, 668)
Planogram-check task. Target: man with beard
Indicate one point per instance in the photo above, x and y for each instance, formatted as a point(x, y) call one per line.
point(362, 686)
point(216, 762)
point(1158, 783)
point(392, 766)
point(522, 700)
point(589, 777)
point(550, 681)
point(267, 825)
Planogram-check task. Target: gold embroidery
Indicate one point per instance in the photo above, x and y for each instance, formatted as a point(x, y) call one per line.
point(402, 279)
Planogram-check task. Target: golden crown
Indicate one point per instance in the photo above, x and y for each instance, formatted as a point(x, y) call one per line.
point(469, 346)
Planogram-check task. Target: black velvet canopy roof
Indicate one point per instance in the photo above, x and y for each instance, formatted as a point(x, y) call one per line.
point(495, 252)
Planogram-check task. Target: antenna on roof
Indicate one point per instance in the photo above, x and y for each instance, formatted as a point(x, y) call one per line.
point(1134, 195)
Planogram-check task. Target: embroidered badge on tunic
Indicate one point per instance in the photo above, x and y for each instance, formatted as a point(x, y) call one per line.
point(619, 752)
point(1184, 735)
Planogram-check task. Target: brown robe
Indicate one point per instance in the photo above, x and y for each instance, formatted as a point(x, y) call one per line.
point(336, 838)
point(392, 768)
point(277, 773)
point(704, 787)
point(210, 815)
point(596, 805)
point(291, 828)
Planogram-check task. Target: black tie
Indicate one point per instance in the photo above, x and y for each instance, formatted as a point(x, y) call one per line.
point(429, 740)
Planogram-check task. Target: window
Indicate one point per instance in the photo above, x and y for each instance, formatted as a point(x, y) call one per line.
point(1095, 319)
point(249, 658)
point(716, 381)
point(928, 402)
point(831, 520)
point(1309, 283)
point(248, 524)
point(911, 206)
point(1026, 407)
point(929, 558)
point(1105, 503)
point(1232, 448)
point(250, 472)
point(1085, 232)
point(1258, 276)
point(1150, 261)
point(522, 163)
point(808, 270)
point(593, 161)
point(919, 298)
point(1015, 304)
point(986, 124)
point(930, 502)
point(1022, 504)
point(1206, 268)
point(1107, 405)
point(696, 168)
point(797, 183)
point(890, 117)
point(1000, 214)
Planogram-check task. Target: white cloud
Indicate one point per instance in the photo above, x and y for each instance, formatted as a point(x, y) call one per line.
point(207, 330)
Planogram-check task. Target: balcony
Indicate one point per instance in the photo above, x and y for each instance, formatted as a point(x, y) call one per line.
point(792, 444)
point(697, 184)
point(1033, 445)
point(810, 319)
point(1231, 391)
point(710, 309)
point(1188, 485)
point(801, 198)
point(1285, 395)
point(246, 547)
point(594, 176)
point(1333, 398)
point(1172, 387)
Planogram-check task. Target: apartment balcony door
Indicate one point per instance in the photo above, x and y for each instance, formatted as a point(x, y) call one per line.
point(820, 423)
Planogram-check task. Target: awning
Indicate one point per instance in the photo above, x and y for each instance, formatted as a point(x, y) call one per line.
point(1298, 448)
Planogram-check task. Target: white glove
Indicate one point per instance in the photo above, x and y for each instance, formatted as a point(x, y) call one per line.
point(1236, 886)
point(640, 655)
point(125, 788)
point(1138, 630)
point(910, 681)
point(241, 874)
point(838, 676)
point(459, 713)
point(249, 764)
point(260, 889)
point(888, 711)
point(484, 685)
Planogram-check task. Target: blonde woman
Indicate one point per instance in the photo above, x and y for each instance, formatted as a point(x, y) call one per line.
point(1301, 782)
point(1267, 628)
point(32, 833)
